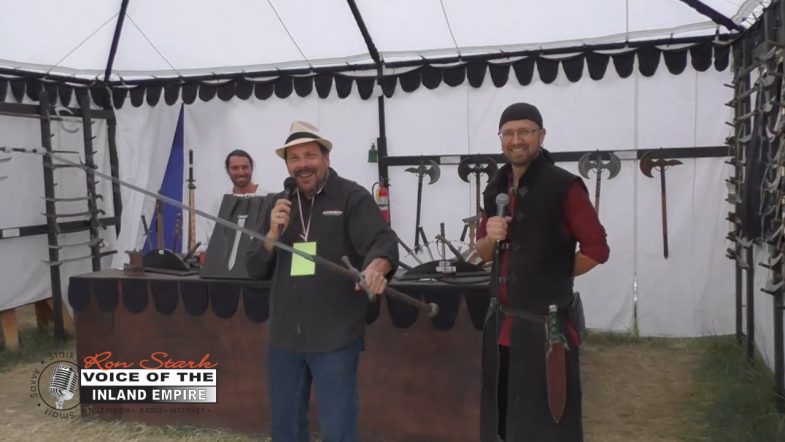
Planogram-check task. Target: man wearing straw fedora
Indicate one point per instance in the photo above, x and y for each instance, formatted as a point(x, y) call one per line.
point(317, 317)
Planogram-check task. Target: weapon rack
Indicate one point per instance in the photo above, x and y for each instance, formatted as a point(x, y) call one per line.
point(55, 226)
point(756, 189)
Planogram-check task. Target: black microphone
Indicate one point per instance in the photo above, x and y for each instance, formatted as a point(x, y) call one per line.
point(502, 200)
point(290, 186)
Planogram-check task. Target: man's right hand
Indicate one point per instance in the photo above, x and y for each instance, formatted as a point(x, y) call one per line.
point(279, 219)
point(496, 228)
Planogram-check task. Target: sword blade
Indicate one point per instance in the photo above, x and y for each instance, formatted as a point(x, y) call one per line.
point(236, 245)
point(556, 378)
point(555, 364)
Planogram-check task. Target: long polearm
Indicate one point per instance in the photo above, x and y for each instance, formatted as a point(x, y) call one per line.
point(647, 163)
point(191, 202)
point(430, 308)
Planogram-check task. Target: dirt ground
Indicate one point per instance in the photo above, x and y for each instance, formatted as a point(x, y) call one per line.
point(637, 392)
point(631, 392)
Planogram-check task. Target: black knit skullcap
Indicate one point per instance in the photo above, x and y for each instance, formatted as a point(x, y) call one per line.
point(520, 111)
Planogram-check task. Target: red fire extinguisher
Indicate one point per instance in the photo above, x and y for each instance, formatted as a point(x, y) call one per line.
point(381, 193)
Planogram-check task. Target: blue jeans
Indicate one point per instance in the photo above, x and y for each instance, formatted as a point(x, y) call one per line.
point(334, 374)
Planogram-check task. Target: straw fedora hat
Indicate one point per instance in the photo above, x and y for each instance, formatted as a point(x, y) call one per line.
point(301, 132)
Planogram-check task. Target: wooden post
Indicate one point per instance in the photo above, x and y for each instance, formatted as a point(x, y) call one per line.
point(43, 314)
point(9, 329)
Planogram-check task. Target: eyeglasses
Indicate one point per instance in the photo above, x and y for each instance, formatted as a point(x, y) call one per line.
point(508, 135)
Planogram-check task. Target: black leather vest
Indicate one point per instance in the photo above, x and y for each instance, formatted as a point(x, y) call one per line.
point(542, 256)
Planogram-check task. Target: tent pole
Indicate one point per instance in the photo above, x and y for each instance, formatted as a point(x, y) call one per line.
point(381, 142)
point(116, 39)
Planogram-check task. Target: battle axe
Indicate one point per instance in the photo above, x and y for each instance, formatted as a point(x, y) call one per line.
point(648, 162)
point(478, 166)
point(597, 161)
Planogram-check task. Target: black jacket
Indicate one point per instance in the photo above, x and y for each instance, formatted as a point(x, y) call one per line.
point(323, 312)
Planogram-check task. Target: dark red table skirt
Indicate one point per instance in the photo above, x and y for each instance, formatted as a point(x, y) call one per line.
point(419, 377)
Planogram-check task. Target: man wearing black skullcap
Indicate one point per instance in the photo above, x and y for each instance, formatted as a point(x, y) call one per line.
point(549, 213)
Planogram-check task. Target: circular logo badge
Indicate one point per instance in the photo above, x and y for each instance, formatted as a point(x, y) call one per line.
point(54, 385)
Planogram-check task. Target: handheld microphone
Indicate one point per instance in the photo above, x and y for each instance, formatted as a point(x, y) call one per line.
point(290, 186)
point(502, 200)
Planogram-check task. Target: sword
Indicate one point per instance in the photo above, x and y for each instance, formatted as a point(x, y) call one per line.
point(431, 309)
point(555, 365)
point(159, 225)
point(409, 250)
point(452, 248)
point(147, 232)
point(425, 242)
point(236, 245)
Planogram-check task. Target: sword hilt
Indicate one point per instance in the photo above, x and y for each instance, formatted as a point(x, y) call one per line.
point(358, 277)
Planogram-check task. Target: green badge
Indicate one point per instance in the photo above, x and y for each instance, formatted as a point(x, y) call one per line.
point(302, 266)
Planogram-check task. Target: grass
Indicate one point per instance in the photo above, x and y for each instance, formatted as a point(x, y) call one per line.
point(727, 399)
point(730, 399)
point(34, 345)
point(136, 432)
point(736, 397)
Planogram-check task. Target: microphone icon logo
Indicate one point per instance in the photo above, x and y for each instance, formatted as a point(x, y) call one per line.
point(54, 385)
point(63, 384)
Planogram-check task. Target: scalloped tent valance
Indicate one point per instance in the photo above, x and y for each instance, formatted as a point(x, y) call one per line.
point(589, 64)
point(235, 48)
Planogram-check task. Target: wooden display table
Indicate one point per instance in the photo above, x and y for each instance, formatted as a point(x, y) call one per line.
point(419, 377)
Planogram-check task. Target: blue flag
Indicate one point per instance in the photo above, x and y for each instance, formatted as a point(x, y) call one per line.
point(172, 187)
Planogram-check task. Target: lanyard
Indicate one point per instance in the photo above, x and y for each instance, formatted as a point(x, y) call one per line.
point(305, 227)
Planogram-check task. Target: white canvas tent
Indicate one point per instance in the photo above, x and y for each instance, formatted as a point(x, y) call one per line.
point(203, 37)
point(245, 69)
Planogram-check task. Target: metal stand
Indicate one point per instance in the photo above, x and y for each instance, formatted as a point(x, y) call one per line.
point(56, 225)
point(756, 150)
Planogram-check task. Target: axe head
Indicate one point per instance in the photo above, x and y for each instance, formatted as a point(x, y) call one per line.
point(477, 165)
point(649, 161)
point(422, 170)
point(647, 164)
point(585, 164)
point(599, 161)
point(434, 172)
point(613, 165)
